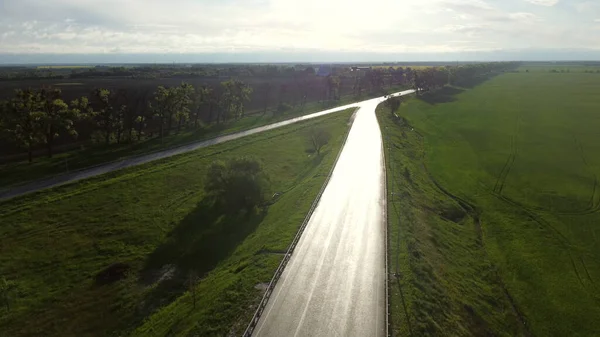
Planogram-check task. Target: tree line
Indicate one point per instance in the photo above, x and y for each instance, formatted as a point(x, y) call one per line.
point(31, 118)
point(427, 79)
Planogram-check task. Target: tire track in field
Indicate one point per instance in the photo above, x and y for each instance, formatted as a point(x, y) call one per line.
point(561, 238)
point(510, 161)
point(475, 213)
point(593, 204)
point(593, 207)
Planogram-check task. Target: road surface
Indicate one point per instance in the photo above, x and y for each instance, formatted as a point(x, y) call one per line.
point(117, 165)
point(334, 283)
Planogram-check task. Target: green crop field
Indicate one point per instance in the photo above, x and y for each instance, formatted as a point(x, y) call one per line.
point(559, 68)
point(155, 220)
point(495, 217)
point(64, 67)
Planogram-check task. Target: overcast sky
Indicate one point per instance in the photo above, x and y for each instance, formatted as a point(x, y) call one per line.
point(296, 27)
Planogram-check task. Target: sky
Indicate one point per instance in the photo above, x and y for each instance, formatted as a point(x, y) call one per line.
point(292, 30)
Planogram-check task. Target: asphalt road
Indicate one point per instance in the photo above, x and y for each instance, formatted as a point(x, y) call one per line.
point(117, 165)
point(334, 283)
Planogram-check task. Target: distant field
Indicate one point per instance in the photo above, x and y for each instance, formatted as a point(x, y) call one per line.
point(155, 218)
point(67, 84)
point(64, 67)
point(499, 208)
point(405, 66)
point(579, 68)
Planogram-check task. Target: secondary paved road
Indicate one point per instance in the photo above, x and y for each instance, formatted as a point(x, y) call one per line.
point(117, 165)
point(334, 283)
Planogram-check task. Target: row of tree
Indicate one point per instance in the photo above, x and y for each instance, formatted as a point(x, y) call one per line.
point(436, 77)
point(34, 117)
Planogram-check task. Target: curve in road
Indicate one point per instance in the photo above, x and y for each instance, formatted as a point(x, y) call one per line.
point(334, 283)
point(129, 162)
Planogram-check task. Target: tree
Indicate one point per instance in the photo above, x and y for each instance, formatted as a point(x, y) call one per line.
point(282, 93)
point(140, 124)
point(393, 103)
point(333, 87)
point(23, 120)
point(120, 121)
point(317, 138)
point(162, 106)
point(267, 87)
point(238, 184)
point(213, 102)
point(132, 104)
point(235, 93)
point(184, 95)
point(200, 99)
point(106, 118)
point(57, 117)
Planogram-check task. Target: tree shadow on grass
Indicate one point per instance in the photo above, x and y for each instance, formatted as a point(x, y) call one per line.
point(202, 240)
point(443, 95)
point(204, 237)
point(473, 82)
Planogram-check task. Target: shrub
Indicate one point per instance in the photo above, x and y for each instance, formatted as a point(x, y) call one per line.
point(317, 138)
point(238, 184)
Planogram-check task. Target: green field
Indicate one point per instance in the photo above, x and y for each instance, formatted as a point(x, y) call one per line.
point(155, 219)
point(64, 67)
point(18, 172)
point(559, 67)
point(494, 224)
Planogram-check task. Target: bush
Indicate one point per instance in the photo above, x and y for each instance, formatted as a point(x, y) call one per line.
point(238, 184)
point(318, 137)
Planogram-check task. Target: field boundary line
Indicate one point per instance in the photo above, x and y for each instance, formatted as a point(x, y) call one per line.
point(263, 302)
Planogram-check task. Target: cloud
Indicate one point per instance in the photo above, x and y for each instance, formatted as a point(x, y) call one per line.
point(526, 17)
point(257, 26)
point(543, 2)
point(587, 7)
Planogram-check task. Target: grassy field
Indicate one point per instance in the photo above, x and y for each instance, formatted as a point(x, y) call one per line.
point(154, 219)
point(502, 217)
point(561, 68)
point(14, 173)
point(404, 66)
point(64, 67)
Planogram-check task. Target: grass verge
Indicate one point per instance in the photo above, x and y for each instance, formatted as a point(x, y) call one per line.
point(153, 219)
